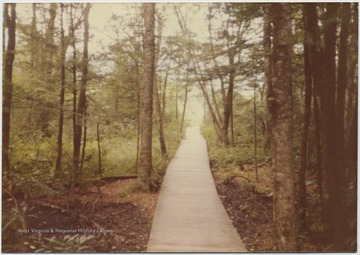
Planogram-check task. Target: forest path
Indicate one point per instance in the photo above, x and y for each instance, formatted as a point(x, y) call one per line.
point(189, 215)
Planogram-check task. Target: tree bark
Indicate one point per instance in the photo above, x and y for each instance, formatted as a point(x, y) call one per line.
point(138, 126)
point(82, 98)
point(267, 71)
point(351, 80)
point(10, 21)
point(157, 91)
point(255, 134)
point(301, 192)
point(342, 84)
point(145, 166)
point(62, 94)
point(228, 105)
point(335, 176)
point(319, 168)
point(160, 121)
point(99, 148)
point(184, 108)
point(83, 150)
point(74, 78)
point(285, 236)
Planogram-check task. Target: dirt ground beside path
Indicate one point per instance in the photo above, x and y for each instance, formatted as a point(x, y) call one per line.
point(116, 220)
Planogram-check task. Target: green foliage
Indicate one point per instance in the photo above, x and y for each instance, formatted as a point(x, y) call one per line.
point(75, 243)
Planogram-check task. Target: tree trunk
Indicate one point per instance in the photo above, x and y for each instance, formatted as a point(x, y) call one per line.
point(62, 95)
point(157, 91)
point(160, 121)
point(342, 84)
point(33, 60)
point(82, 98)
point(99, 148)
point(164, 89)
point(267, 71)
point(83, 150)
point(301, 199)
point(255, 134)
point(74, 78)
point(285, 236)
point(335, 176)
point(352, 192)
point(9, 56)
point(184, 108)
point(351, 80)
point(232, 128)
point(228, 105)
point(319, 168)
point(145, 167)
point(136, 170)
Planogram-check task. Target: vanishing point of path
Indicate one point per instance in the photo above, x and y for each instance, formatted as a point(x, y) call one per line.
point(189, 215)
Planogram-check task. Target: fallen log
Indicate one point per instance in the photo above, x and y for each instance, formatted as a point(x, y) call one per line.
point(114, 178)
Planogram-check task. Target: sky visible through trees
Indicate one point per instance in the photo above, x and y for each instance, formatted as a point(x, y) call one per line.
point(102, 35)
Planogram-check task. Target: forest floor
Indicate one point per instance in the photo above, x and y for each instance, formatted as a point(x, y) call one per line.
point(116, 220)
point(119, 218)
point(249, 205)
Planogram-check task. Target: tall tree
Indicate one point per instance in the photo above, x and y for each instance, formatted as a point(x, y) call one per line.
point(8, 61)
point(62, 91)
point(80, 113)
point(301, 192)
point(285, 236)
point(146, 104)
point(157, 84)
point(342, 82)
point(335, 176)
point(267, 28)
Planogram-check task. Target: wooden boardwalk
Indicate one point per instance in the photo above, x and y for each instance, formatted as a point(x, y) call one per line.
point(189, 215)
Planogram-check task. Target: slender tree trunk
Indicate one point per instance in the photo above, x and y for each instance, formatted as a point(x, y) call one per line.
point(352, 192)
point(316, 57)
point(160, 120)
point(351, 80)
point(282, 132)
point(9, 56)
point(176, 102)
point(342, 84)
point(164, 90)
point(34, 52)
point(184, 108)
point(82, 98)
point(99, 148)
point(255, 134)
point(216, 105)
point(319, 168)
point(74, 70)
point(157, 91)
point(267, 71)
point(138, 122)
point(145, 168)
point(83, 150)
point(228, 105)
point(335, 176)
point(232, 128)
point(301, 199)
point(62, 96)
